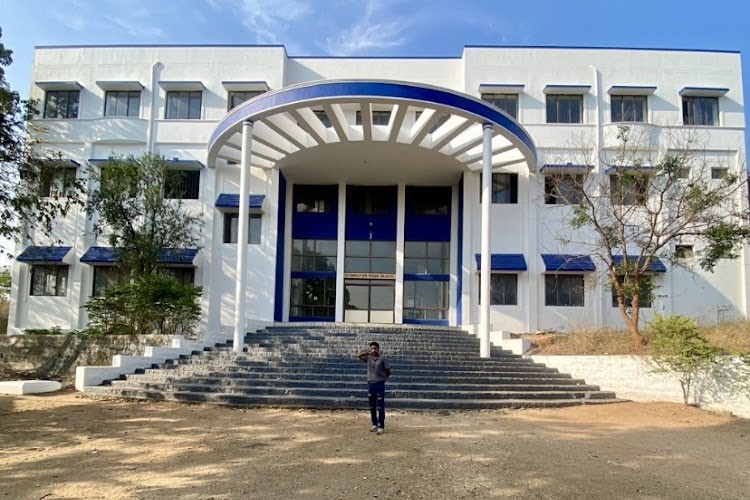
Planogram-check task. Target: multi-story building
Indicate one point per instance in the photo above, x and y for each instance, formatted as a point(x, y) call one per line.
point(361, 178)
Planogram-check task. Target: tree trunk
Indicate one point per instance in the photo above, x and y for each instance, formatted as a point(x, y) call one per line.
point(631, 320)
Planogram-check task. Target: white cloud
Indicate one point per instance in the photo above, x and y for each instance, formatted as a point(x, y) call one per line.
point(374, 30)
point(267, 19)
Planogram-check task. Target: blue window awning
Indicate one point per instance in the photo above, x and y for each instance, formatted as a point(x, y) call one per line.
point(42, 254)
point(100, 255)
point(556, 263)
point(172, 162)
point(231, 200)
point(631, 90)
point(109, 255)
point(565, 168)
point(703, 91)
point(656, 266)
point(504, 262)
point(181, 256)
point(614, 169)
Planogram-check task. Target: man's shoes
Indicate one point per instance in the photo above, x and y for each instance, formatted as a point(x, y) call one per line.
point(380, 430)
point(373, 428)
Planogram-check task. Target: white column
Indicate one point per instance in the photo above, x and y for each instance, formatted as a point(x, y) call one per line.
point(242, 234)
point(484, 317)
point(398, 296)
point(340, 254)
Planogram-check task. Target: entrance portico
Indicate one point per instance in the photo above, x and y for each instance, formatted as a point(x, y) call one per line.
point(355, 135)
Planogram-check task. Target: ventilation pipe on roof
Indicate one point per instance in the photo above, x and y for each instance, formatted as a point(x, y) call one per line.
point(150, 133)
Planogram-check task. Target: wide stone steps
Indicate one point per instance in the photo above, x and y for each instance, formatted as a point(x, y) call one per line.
point(314, 367)
point(328, 402)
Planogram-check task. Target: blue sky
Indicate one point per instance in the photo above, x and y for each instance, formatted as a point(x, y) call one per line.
point(372, 27)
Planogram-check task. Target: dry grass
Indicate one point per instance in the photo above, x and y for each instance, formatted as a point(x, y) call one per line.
point(729, 338)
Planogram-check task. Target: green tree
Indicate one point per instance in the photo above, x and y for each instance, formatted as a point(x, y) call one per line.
point(130, 201)
point(664, 191)
point(679, 348)
point(25, 169)
point(132, 212)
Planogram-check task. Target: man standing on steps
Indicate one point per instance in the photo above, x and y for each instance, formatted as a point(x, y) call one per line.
point(378, 369)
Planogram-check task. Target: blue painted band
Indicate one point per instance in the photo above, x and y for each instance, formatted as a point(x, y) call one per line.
point(430, 322)
point(265, 103)
point(427, 277)
point(313, 275)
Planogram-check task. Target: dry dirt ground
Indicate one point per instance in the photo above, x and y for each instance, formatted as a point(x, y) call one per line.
point(67, 446)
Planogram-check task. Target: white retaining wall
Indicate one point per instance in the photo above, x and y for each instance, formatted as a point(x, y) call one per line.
point(633, 377)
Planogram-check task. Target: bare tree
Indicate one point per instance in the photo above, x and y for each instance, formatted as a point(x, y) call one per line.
point(649, 195)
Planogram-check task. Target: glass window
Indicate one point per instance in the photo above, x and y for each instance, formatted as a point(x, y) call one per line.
point(370, 257)
point(183, 274)
point(504, 188)
point(564, 108)
point(378, 117)
point(105, 277)
point(628, 189)
point(429, 201)
point(628, 108)
point(442, 118)
point(423, 257)
point(49, 280)
point(719, 173)
point(231, 228)
point(564, 290)
point(504, 288)
point(644, 297)
point(235, 98)
point(310, 199)
point(313, 297)
point(122, 103)
point(314, 255)
point(61, 103)
point(563, 189)
point(184, 105)
point(506, 102)
point(182, 184)
point(700, 110)
point(426, 299)
point(323, 117)
point(57, 181)
point(373, 200)
point(683, 252)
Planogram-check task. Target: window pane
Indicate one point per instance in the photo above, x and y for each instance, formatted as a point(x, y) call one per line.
point(326, 247)
point(415, 249)
point(255, 229)
point(72, 105)
point(415, 266)
point(503, 289)
point(552, 109)
point(357, 265)
point(358, 248)
point(382, 297)
point(563, 109)
point(383, 248)
point(616, 105)
point(357, 297)
point(194, 113)
point(383, 265)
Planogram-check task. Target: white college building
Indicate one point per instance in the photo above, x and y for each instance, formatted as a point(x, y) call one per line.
point(359, 179)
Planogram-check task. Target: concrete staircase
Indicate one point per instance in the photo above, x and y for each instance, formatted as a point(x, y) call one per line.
point(314, 367)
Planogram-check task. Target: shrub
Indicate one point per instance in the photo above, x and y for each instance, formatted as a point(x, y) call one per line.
point(151, 303)
point(678, 347)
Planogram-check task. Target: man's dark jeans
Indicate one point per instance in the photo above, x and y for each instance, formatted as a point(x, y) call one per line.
point(376, 395)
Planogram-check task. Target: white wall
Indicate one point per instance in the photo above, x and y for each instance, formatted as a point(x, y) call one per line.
point(634, 377)
point(529, 227)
